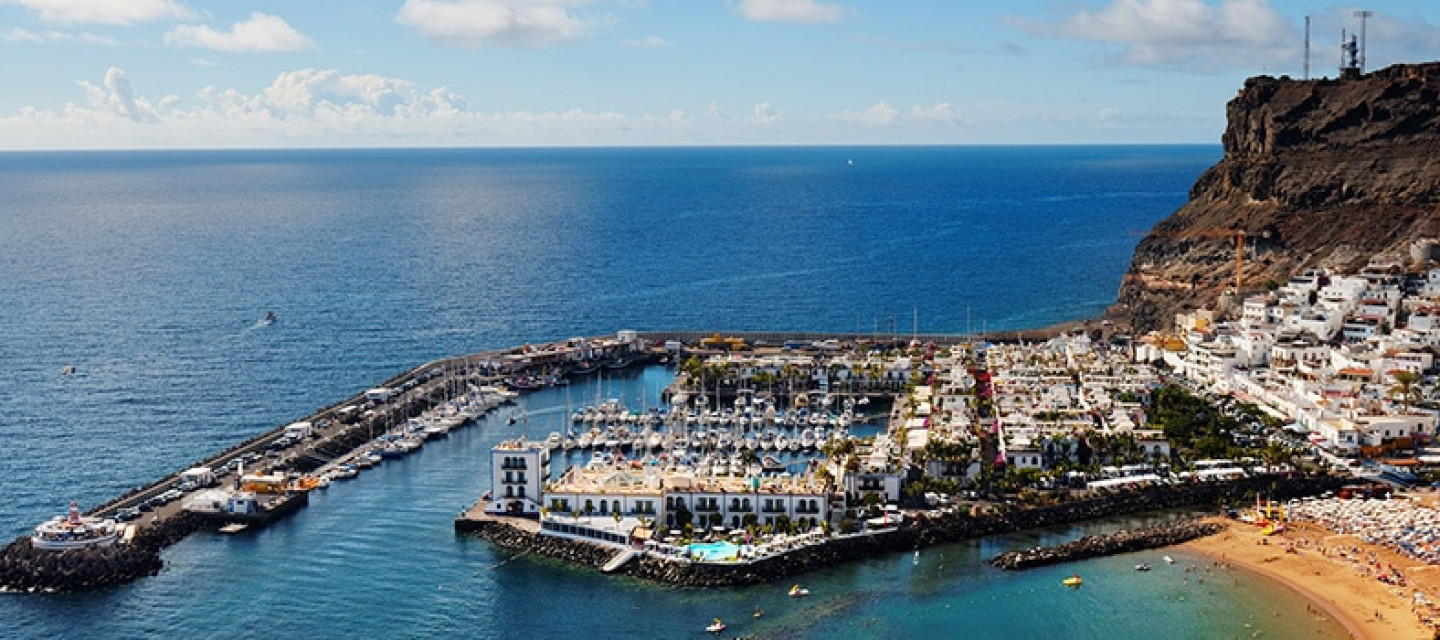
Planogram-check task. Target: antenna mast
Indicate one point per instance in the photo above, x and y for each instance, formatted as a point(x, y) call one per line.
point(1307, 47)
point(1363, 15)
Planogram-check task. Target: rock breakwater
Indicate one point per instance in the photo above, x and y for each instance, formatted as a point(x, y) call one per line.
point(1161, 535)
point(25, 569)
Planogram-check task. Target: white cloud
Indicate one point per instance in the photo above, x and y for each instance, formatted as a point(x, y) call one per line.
point(116, 97)
point(118, 12)
point(1193, 35)
point(766, 113)
point(48, 36)
point(650, 42)
point(801, 11)
point(470, 23)
point(939, 113)
point(320, 107)
point(262, 32)
point(880, 114)
point(25, 35)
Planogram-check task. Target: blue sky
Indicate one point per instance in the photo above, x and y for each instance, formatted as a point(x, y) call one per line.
point(347, 73)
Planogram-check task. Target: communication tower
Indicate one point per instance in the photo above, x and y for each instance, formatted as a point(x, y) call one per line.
point(1307, 48)
point(1349, 52)
point(1363, 15)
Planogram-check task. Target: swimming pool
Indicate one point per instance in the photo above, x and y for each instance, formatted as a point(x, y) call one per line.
point(714, 551)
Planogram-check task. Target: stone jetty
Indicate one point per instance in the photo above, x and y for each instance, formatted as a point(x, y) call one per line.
point(24, 569)
point(1160, 535)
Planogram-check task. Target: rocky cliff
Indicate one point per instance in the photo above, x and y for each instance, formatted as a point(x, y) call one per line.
point(1315, 172)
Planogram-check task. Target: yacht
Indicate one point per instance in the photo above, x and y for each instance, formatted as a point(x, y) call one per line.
point(74, 532)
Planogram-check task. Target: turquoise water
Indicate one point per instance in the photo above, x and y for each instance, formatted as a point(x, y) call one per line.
point(714, 550)
point(149, 273)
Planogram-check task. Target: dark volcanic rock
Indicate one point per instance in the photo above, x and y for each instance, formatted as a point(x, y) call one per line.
point(1161, 535)
point(26, 569)
point(1315, 172)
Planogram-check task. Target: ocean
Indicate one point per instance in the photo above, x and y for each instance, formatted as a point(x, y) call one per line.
point(148, 272)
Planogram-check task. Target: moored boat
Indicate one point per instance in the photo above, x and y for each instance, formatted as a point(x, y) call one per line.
point(74, 531)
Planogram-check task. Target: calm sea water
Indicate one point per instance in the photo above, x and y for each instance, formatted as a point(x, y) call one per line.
point(148, 272)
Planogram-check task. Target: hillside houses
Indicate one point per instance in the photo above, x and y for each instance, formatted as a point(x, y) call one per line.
point(1342, 357)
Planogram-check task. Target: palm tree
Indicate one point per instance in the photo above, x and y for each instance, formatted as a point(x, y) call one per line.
point(1405, 387)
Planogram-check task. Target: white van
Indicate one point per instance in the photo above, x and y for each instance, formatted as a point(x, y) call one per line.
point(298, 431)
point(195, 478)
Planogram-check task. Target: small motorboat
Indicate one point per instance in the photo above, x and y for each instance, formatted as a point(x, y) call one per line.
point(1073, 581)
point(758, 612)
point(270, 318)
point(1142, 567)
point(798, 591)
point(716, 627)
point(1168, 560)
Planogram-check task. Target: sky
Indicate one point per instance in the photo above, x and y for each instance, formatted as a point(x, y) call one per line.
point(143, 74)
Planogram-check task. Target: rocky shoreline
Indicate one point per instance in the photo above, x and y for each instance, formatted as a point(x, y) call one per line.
point(1109, 544)
point(24, 569)
point(923, 531)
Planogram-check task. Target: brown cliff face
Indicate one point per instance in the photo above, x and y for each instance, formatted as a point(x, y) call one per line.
point(1315, 172)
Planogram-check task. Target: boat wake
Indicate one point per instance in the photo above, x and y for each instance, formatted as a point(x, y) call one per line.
point(269, 319)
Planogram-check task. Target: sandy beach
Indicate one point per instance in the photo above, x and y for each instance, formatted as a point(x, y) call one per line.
point(1338, 573)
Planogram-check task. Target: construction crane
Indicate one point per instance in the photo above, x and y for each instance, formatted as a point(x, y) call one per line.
point(1237, 234)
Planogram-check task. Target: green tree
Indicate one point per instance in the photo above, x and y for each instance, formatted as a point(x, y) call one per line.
point(1406, 387)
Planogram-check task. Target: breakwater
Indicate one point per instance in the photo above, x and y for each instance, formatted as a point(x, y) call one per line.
point(1161, 535)
point(925, 529)
point(341, 429)
point(24, 569)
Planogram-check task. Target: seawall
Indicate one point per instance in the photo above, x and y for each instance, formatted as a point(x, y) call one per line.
point(1109, 544)
point(925, 530)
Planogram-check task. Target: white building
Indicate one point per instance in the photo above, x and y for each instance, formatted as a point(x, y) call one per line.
point(518, 471)
point(662, 496)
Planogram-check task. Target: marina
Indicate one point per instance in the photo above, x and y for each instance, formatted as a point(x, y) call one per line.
point(397, 418)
